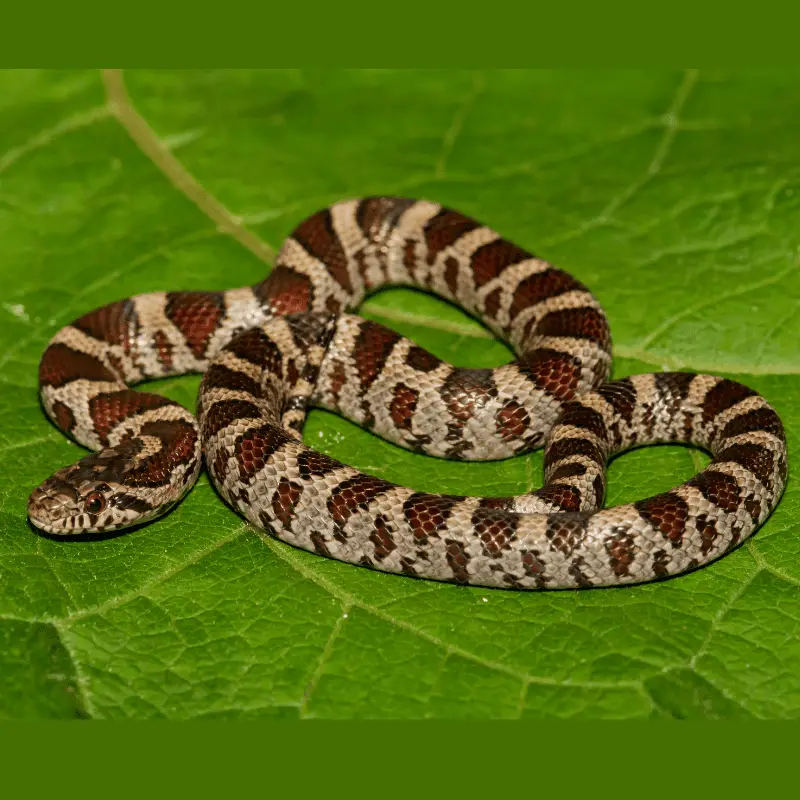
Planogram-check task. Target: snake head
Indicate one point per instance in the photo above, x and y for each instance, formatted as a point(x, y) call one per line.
point(91, 496)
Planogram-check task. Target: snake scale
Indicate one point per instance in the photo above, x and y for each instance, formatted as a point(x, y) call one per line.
point(271, 351)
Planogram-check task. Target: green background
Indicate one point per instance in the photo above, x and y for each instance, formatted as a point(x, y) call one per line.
point(673, 195)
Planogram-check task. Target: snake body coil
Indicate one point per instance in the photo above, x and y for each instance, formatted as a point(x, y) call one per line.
point(271, 351)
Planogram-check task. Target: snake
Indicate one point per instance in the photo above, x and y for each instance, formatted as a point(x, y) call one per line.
point(271, 351)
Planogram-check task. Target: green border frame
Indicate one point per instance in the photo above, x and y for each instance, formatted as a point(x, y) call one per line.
point(445, 759)
point(421, 34)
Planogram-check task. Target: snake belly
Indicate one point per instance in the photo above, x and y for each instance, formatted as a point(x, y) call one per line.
point(272, 350)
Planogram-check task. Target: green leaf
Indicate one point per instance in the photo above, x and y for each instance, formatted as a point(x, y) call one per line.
point(675, 197)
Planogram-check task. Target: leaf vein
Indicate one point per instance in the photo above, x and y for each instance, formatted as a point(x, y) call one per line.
point(80, 120)
point(284, 552)
point(324, 656)
point(141, 591)
point(149, 143)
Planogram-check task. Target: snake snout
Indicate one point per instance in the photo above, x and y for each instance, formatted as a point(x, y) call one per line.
point(51, 506)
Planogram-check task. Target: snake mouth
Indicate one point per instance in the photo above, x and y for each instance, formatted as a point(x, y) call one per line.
point(61, 528)
point(47, 526)
point(41, 524)
point(45, 523)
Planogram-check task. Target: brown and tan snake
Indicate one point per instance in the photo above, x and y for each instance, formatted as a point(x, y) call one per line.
point(271, 351)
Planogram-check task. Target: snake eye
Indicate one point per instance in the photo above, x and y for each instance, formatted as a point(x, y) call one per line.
point(95, 502)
